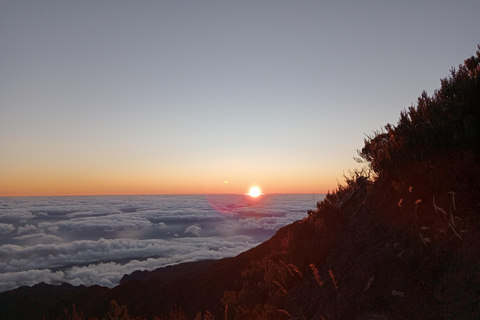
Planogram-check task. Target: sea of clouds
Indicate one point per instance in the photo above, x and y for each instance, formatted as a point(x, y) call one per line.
point(97, 239)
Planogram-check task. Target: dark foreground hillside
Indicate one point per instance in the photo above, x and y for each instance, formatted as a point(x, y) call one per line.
point(399, 240)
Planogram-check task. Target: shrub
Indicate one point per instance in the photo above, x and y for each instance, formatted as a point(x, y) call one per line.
point(436, 143)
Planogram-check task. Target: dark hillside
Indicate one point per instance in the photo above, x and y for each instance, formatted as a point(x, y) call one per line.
point(412, 249)
point(399, 240)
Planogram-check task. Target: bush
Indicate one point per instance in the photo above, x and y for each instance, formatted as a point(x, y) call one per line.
point(436, 144)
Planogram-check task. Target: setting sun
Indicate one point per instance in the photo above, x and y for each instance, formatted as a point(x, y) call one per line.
point(254, 192)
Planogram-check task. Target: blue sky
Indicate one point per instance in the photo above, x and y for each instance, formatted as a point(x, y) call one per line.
point(119, 97)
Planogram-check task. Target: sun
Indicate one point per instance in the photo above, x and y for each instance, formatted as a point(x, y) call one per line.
point(254, 192)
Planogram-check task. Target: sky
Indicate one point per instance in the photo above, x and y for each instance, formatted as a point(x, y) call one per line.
point(193, 97)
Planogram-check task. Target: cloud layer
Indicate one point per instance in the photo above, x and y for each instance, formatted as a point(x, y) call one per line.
point(96, 240)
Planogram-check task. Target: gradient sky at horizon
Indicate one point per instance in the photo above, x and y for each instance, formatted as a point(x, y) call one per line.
point(152, 97)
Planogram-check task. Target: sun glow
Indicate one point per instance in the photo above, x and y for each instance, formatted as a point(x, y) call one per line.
point(254, 192)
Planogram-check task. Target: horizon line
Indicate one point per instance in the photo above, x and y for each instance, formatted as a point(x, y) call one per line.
point(153, 194)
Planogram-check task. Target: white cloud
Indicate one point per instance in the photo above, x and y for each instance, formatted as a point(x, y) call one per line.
point(250, 223)
point(48, 227)
point(92, 213)
point(195, 230)
point(15, 215)
point(110, 223)
point(28, 228)
point(41, 256)
point(6, 228)
point(264, 223)
point(39, 238)
point(12, 280)
point(21, 269)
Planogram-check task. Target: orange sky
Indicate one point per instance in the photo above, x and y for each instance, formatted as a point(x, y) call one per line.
point(228, 177)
